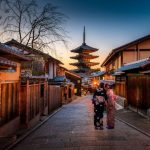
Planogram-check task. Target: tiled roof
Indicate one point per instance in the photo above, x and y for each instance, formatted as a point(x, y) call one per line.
point(121, 48)
point(110, 82)
point(84, 63)
point(134, 65)
point(73, 73)
point(31, 50)
point(84, 56)
point(100, 73)
point(146, 72)
point(84, 47)
point(60, 79)
point(13, 51)
point(79, 73)
point(6, 62)
point(61, 67)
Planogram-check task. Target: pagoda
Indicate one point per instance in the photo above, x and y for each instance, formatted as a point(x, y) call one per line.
point(84, 64)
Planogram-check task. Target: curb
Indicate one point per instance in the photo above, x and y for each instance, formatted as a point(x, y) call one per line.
point(132, 126)
point(32, 130)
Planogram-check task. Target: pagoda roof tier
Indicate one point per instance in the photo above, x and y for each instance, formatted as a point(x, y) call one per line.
point(84, 56)
point(84, 64)
point(84, 70)
point(84, 48)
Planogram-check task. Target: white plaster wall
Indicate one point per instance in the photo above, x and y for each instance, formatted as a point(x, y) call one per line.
point(50, 75)
point(55, 68)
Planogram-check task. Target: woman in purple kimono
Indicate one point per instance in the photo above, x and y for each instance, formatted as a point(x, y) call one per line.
point(111, 98)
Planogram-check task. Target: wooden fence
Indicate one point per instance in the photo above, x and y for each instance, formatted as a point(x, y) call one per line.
point(138, 92)
point(54, 97)
point(9, 101)
point(44, 98)
point(29, 102)
point(38, 98)
point(24, 103)
point(120, 89)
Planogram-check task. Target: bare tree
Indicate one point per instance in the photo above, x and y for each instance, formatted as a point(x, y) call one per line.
point(31, 25)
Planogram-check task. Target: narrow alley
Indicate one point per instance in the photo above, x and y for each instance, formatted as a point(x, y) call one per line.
point(72, 128)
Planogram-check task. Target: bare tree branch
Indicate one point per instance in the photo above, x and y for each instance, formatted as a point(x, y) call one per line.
point(34, 26)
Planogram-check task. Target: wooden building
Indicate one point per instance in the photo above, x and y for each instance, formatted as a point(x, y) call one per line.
point(133, 51)
point(76, 79)
point(10, 62)
point(96, 77)
point(133, 83)
point(25, 94)
point(42, 65)
point(61, 70)
point(35, 92)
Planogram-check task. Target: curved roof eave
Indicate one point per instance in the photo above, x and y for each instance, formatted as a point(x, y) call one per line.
point(84, 47)
point(121, 48)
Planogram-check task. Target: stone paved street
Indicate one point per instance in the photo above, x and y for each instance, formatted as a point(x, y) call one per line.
point(134, 119)
point(72, 129)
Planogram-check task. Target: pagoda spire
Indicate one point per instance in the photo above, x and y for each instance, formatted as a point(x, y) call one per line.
point(84, 36)
point(83, 57)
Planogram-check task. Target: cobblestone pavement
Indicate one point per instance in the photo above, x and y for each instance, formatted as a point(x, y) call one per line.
point(134, 119)
point(72, 129)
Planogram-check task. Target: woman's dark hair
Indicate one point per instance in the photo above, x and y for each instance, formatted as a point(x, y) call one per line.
point(101, 85)
point(107, 85)
point(111, 86)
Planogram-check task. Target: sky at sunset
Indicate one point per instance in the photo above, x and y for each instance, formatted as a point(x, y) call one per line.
point(109, 24)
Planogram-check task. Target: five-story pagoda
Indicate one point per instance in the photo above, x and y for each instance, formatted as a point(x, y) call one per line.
point(84, 57)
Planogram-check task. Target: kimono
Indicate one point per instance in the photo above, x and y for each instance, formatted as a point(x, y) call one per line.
point(99, 105)
point(111, 109)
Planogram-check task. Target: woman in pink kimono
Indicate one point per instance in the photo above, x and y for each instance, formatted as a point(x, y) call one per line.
point(110, 107)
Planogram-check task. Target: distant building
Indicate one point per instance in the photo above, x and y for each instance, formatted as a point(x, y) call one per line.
point(61, 70)
point(76, 79)
point(133, 51)
point(84, 64)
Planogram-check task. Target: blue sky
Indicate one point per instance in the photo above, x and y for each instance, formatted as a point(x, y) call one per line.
point(109, 24)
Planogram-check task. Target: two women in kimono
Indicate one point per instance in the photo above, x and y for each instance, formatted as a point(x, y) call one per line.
point(104, 97)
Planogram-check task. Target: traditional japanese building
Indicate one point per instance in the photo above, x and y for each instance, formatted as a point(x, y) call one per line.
point(132, 51)
point(43, 65)
point(83, 56)
point(10, 66)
